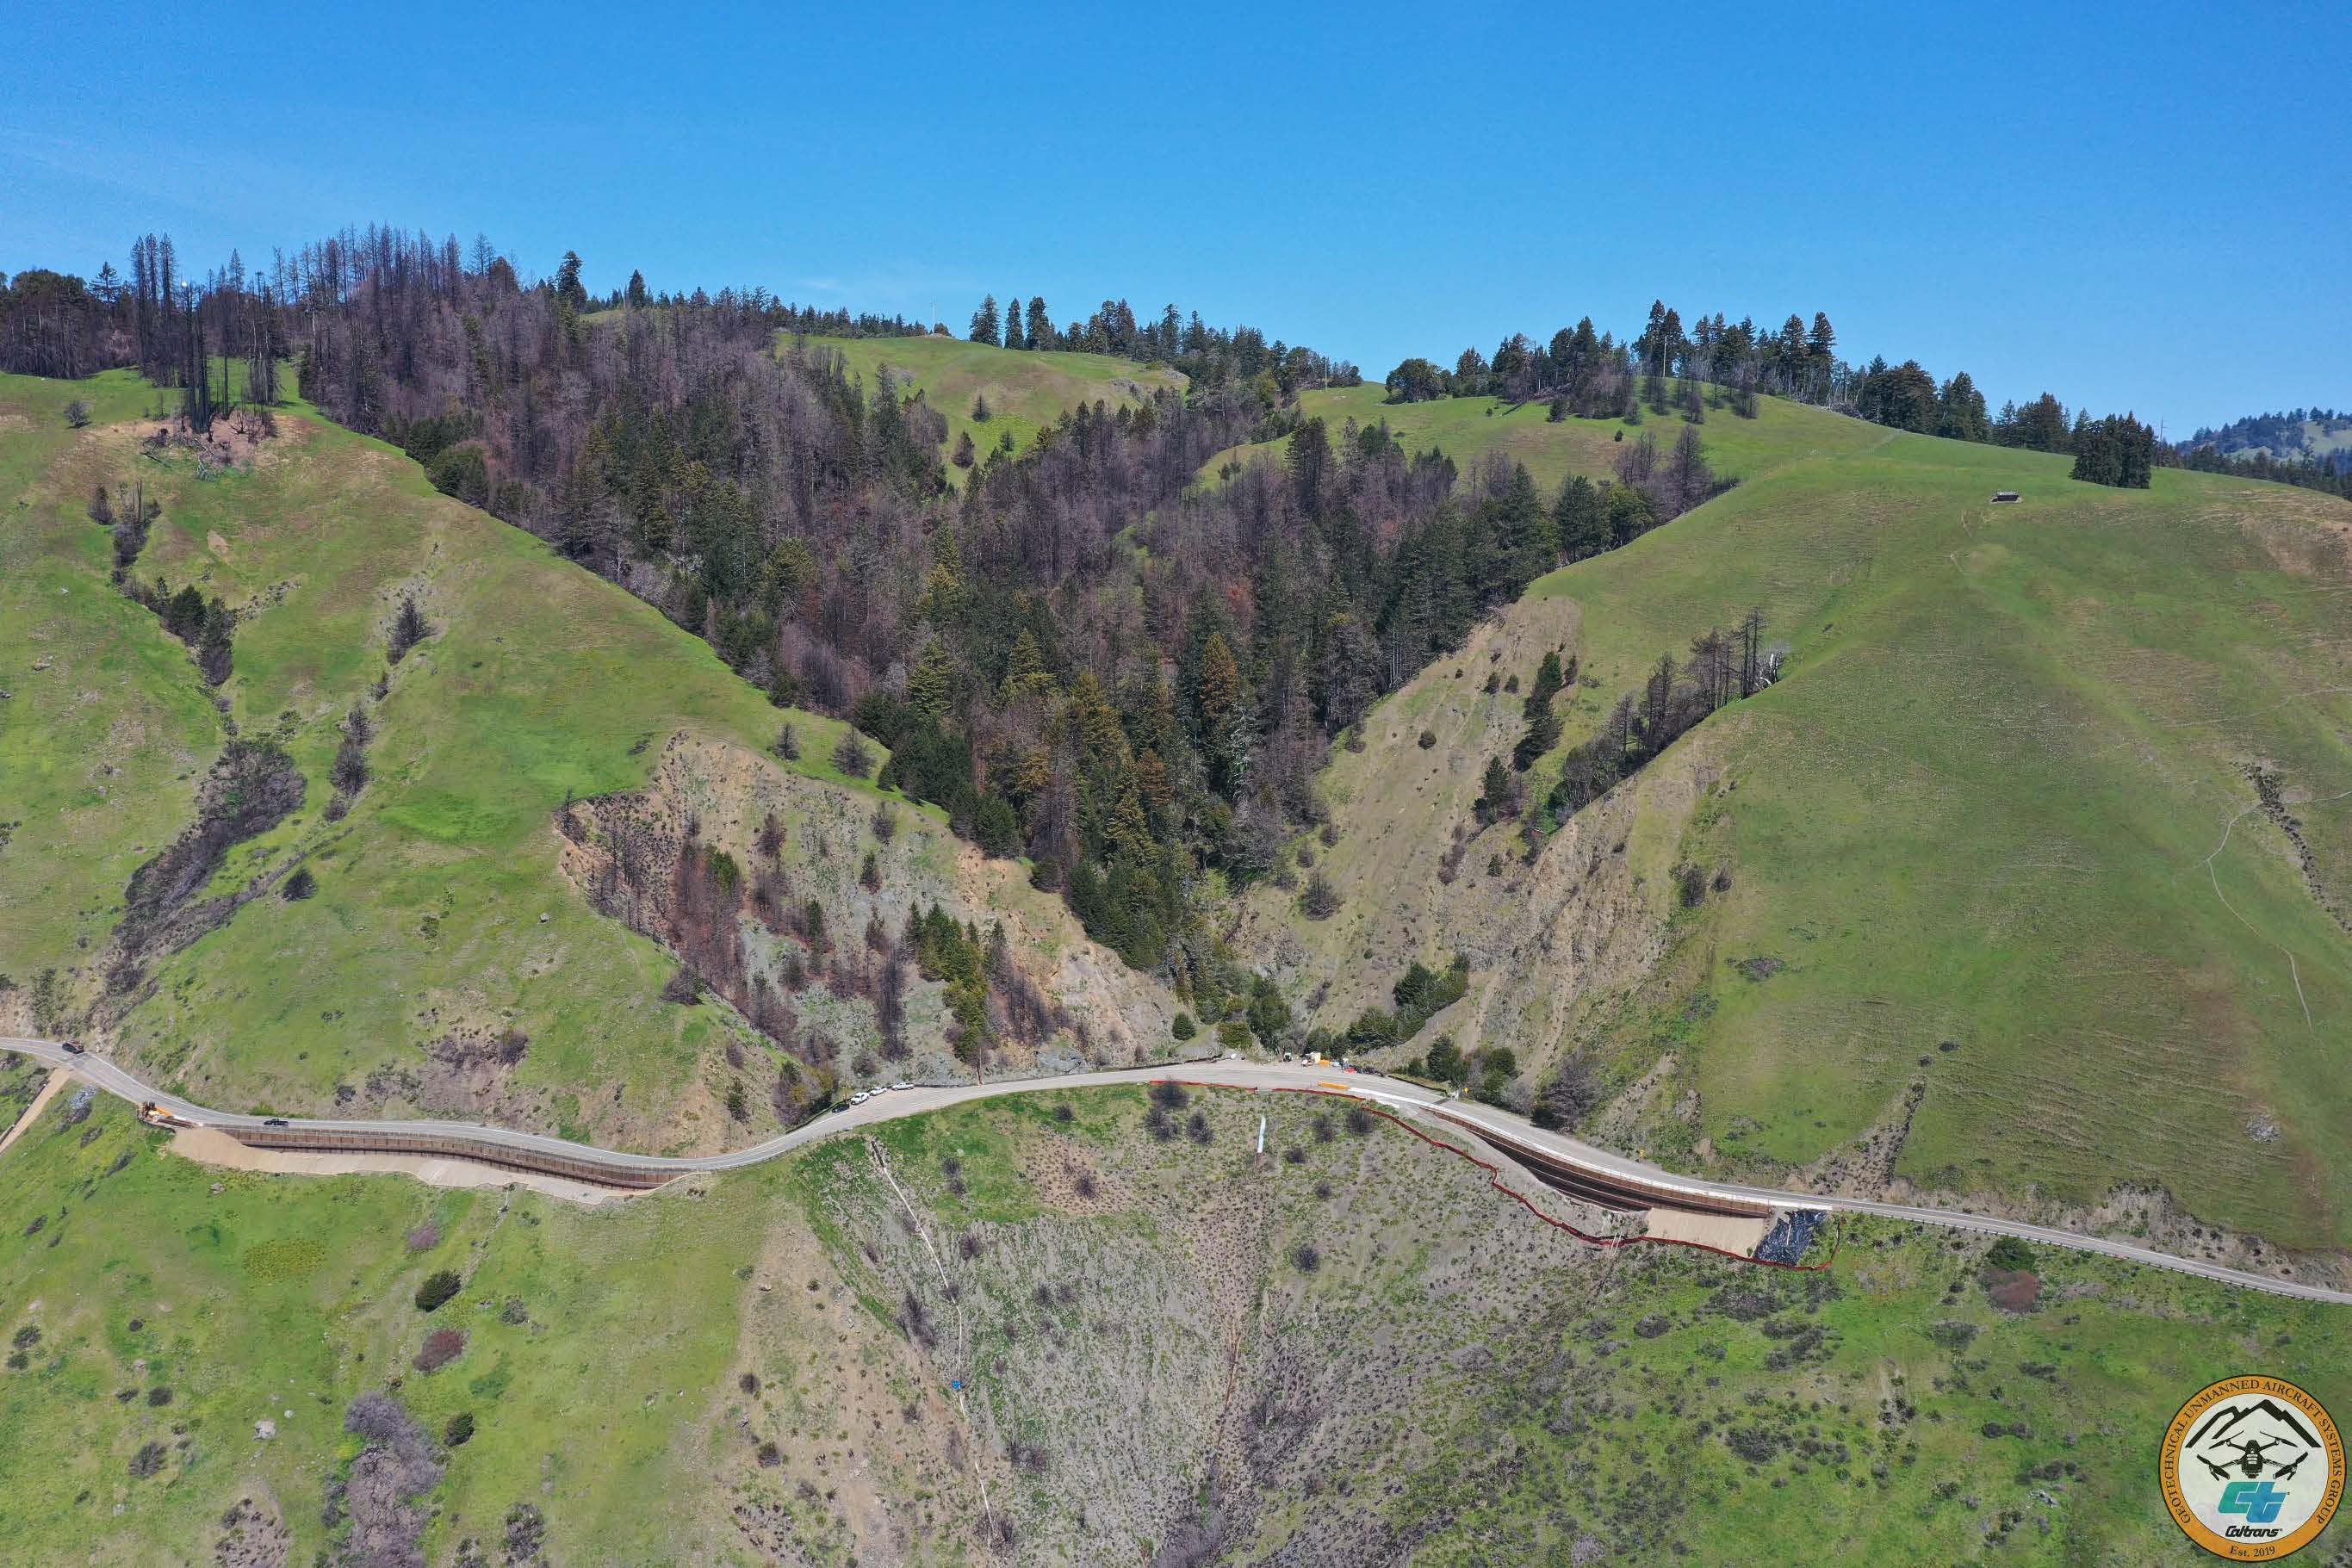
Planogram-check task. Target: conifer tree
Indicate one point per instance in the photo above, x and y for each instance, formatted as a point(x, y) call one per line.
point(984, 322)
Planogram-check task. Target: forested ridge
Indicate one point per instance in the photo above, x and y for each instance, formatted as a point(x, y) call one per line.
point(1085, 658)
point(1718, 364)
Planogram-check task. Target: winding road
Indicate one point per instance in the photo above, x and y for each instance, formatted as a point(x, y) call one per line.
point(505, 1146)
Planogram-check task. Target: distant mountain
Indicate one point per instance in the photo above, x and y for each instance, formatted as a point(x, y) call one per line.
point(2299, 433)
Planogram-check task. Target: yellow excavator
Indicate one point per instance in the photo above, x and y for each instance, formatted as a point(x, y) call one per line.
point(155, 1116)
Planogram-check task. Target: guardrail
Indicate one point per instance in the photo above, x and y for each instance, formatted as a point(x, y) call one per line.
point(390, 1142)
point(1608, 1189)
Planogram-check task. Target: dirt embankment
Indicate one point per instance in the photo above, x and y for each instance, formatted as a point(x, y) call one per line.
point(56, 1080)
point(794, 901)
point(210, 1147)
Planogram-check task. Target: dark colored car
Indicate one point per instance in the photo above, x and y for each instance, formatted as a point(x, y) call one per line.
point(273, 1120)
point(71, 1048)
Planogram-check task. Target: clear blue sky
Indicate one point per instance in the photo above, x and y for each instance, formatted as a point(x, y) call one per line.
point(2135, 206)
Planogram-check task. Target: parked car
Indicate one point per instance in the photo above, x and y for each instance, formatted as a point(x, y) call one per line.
point(273, 1120)
point(839, 1106)
point(71, 1048)
point(859, 1098)
point(902, 1083)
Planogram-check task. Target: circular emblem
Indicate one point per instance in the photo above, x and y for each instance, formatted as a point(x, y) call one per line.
point(2251, 1469)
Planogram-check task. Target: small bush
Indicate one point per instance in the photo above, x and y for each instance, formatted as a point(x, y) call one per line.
point(1428, 738)
point(147, 1460)
point(299, 886)
point(853, 756)
point(749, 1383)
point(408, 629)
point(788, 744)
point(159, 1397)
point(2010, 1254)
point(1321, 900)
point(1305, 1259)
point(441, 1347)
point(26, 1337)
point(77, 414)
point(1169, 1094)
point(459, 1431)
point(1359, 1121)
point(436, 1289)
point(1183, 1029)
point(684, 988)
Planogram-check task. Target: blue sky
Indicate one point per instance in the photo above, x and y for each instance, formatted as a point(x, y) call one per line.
point(2136, 207)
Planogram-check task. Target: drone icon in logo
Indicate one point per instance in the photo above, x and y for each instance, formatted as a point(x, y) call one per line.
point(2254, 1458)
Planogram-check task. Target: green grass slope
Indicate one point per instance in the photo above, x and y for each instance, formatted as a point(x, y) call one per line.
point(2000, 832)
point(759, 1367)
point(1026, 391)
point(443, 909)
point(103, 729)
point(1469, 428)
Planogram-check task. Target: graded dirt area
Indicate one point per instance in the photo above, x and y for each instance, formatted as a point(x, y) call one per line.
point(33, 1112)
point(210, 1147)
point(1727, 1232)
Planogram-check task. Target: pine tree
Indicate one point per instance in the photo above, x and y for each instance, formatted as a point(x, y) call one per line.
point(930, 688)
point(638, 297)
point(984, 322)
point(1580, 519)
point(1219, 713)
point(1039, 334)
point(567, 282)
point(1013, 338)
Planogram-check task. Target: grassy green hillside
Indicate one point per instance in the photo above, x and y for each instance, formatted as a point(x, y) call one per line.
point(1025, 392)
point(444, 912)
point(1997, 840)
point(1469, 428)
point(760, 1366)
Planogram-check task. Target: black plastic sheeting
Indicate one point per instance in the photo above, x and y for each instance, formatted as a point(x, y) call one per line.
point(1791, 1235)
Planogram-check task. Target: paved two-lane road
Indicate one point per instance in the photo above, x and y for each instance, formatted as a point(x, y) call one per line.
point(1403, 1098)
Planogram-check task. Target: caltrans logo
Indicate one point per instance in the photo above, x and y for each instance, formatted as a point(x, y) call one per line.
point(2252, 1468)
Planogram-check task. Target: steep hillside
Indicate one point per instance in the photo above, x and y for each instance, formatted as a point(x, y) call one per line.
point(2030, 880)
point(1023, 391)
point(446, 961)
point(1351, 1350)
